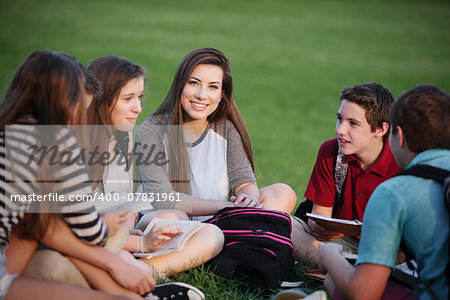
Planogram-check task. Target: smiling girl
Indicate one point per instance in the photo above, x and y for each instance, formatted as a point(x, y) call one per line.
point(211, 151)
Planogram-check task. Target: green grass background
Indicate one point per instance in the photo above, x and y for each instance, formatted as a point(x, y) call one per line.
point(289, 58)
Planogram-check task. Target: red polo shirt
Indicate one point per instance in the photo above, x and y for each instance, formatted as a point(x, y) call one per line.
point(359, 186)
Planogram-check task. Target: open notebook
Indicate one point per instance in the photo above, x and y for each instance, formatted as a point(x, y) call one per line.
point(189, 228)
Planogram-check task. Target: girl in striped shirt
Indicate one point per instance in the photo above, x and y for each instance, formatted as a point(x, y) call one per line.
point(39, 181)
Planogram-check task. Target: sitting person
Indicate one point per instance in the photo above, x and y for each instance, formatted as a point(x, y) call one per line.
point(210, 152)
point(46, 90)
point(405, 208)
point(362, 153)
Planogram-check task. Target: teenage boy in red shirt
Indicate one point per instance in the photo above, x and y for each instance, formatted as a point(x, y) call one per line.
point(362, 129)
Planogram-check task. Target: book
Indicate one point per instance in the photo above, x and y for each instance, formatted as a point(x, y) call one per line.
point(317, 276)
point(350, 257)
point(350, 228)
point(176, 243)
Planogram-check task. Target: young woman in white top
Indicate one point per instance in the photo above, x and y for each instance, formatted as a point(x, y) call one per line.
point(210, 156)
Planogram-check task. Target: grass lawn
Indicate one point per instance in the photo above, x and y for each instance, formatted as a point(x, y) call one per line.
point(289, 58)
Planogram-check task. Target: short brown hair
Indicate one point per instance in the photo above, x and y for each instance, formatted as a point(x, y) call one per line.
point(423, 113)
point(374, 98)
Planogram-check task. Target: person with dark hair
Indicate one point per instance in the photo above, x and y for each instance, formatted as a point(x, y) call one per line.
point(361, 150)
point(405, 208)
point(114, 112)
point(205, 142)
point(47, 90)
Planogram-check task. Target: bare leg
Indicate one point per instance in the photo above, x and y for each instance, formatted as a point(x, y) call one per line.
point(51, 265)
point(279, 196)
point(99, 259)
point(201, 247)
point(62, 269)
point(129, 258)
point(26, 288)
point(305, 245)
point(100, 280)
point(18, 254)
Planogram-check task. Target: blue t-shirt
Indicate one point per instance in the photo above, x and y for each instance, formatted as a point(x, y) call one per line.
point(411, 208)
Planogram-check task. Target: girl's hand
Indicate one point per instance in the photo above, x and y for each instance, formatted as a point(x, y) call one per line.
point(159, 236)
point(245, 200)
point(130, 276)
point(114, 219)
point(135, 232)
point(322, 234)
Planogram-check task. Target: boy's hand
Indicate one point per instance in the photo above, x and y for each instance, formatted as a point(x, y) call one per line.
point(245, 200)
point(114, 219)
point(322, 234)
point(159, 234)
point(327, 250)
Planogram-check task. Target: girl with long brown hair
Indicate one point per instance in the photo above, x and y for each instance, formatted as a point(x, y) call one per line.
point(212, 153)
point(47, 90)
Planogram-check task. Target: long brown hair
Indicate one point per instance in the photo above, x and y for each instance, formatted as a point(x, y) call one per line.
point(48, 87)
point(113, 72)
point(171, 106)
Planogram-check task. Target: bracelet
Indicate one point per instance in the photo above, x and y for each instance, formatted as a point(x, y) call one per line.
point(141, 242)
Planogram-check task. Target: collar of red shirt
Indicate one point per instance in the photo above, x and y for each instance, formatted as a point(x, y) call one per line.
point(380, 166)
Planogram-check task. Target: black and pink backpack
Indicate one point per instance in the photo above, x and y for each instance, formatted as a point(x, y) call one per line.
point(257, 246)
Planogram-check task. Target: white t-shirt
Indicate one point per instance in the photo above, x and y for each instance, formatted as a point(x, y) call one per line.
point(217, 159)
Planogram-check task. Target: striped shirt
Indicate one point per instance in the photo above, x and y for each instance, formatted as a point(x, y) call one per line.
point(62, 183)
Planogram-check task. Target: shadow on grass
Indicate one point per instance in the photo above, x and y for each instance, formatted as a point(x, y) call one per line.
point(218, 288)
